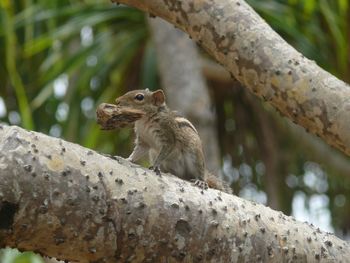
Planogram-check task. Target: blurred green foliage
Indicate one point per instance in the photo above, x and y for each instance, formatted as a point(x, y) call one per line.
point(59, 59)
point(14, 256)
point(317, 28)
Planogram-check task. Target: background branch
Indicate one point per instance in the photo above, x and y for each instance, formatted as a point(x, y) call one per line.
point(185, 86)
point(232, 33)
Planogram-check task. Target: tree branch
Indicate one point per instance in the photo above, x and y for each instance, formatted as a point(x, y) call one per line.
point(318, 149)
point(65, 201)
point(263, 62)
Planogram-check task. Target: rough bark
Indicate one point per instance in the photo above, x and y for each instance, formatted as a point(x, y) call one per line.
point(66, 201)
point(263, 62)
point(185, 86)
point(318, 150)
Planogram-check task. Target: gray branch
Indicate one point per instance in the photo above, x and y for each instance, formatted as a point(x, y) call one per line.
point(232, 33)
point(318, 150)
point(65, 201)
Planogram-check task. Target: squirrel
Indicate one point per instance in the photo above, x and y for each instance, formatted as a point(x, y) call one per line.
point(172, 142)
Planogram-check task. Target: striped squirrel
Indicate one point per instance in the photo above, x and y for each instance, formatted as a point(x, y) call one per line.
point(172, 142)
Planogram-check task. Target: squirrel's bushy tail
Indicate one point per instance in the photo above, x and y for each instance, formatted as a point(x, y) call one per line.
point(217, 183)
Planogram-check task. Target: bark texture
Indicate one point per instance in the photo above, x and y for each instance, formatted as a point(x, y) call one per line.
point(66, 201)
point(184, 84)
point(318, 149)
point(263, 62)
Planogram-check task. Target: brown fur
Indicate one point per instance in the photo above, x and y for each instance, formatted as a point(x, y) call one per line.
point(172, 142)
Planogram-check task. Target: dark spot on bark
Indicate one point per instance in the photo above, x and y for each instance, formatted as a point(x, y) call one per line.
point(142, 205)
point(257, 217)
point(70, 202)
point(176, 6)
point(63, 221)
point(196, 28)
point(214, 223)
point(43, 209)
point(179, 255)
point(46, 176)
point(92, 250)
point(269, 251)
point(102, 211)
point(317, 256)
point(59, 240)
point(96, 198)
point(28, 167)
point(183, 228)
point(7, 214)
point(119, 181)
point(175, 205)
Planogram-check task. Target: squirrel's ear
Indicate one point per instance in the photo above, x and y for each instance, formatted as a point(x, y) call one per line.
point(158, 97)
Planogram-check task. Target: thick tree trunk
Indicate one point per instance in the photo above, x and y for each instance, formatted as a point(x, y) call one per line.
point(184, 84)
point(263, 62)
point(66, 201)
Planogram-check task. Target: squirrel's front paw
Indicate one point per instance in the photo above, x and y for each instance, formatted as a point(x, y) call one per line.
point(156, 170)
point(201, 184)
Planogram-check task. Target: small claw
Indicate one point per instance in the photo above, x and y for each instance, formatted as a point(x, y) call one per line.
point(156, 170)
point(201, 184)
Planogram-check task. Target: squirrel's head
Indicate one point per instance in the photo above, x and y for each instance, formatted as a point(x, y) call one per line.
point(142, 99)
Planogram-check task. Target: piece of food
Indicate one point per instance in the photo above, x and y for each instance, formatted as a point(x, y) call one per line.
point(110, 116)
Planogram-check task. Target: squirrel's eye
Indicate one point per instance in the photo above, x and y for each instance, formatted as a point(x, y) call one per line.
point(139, 97)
